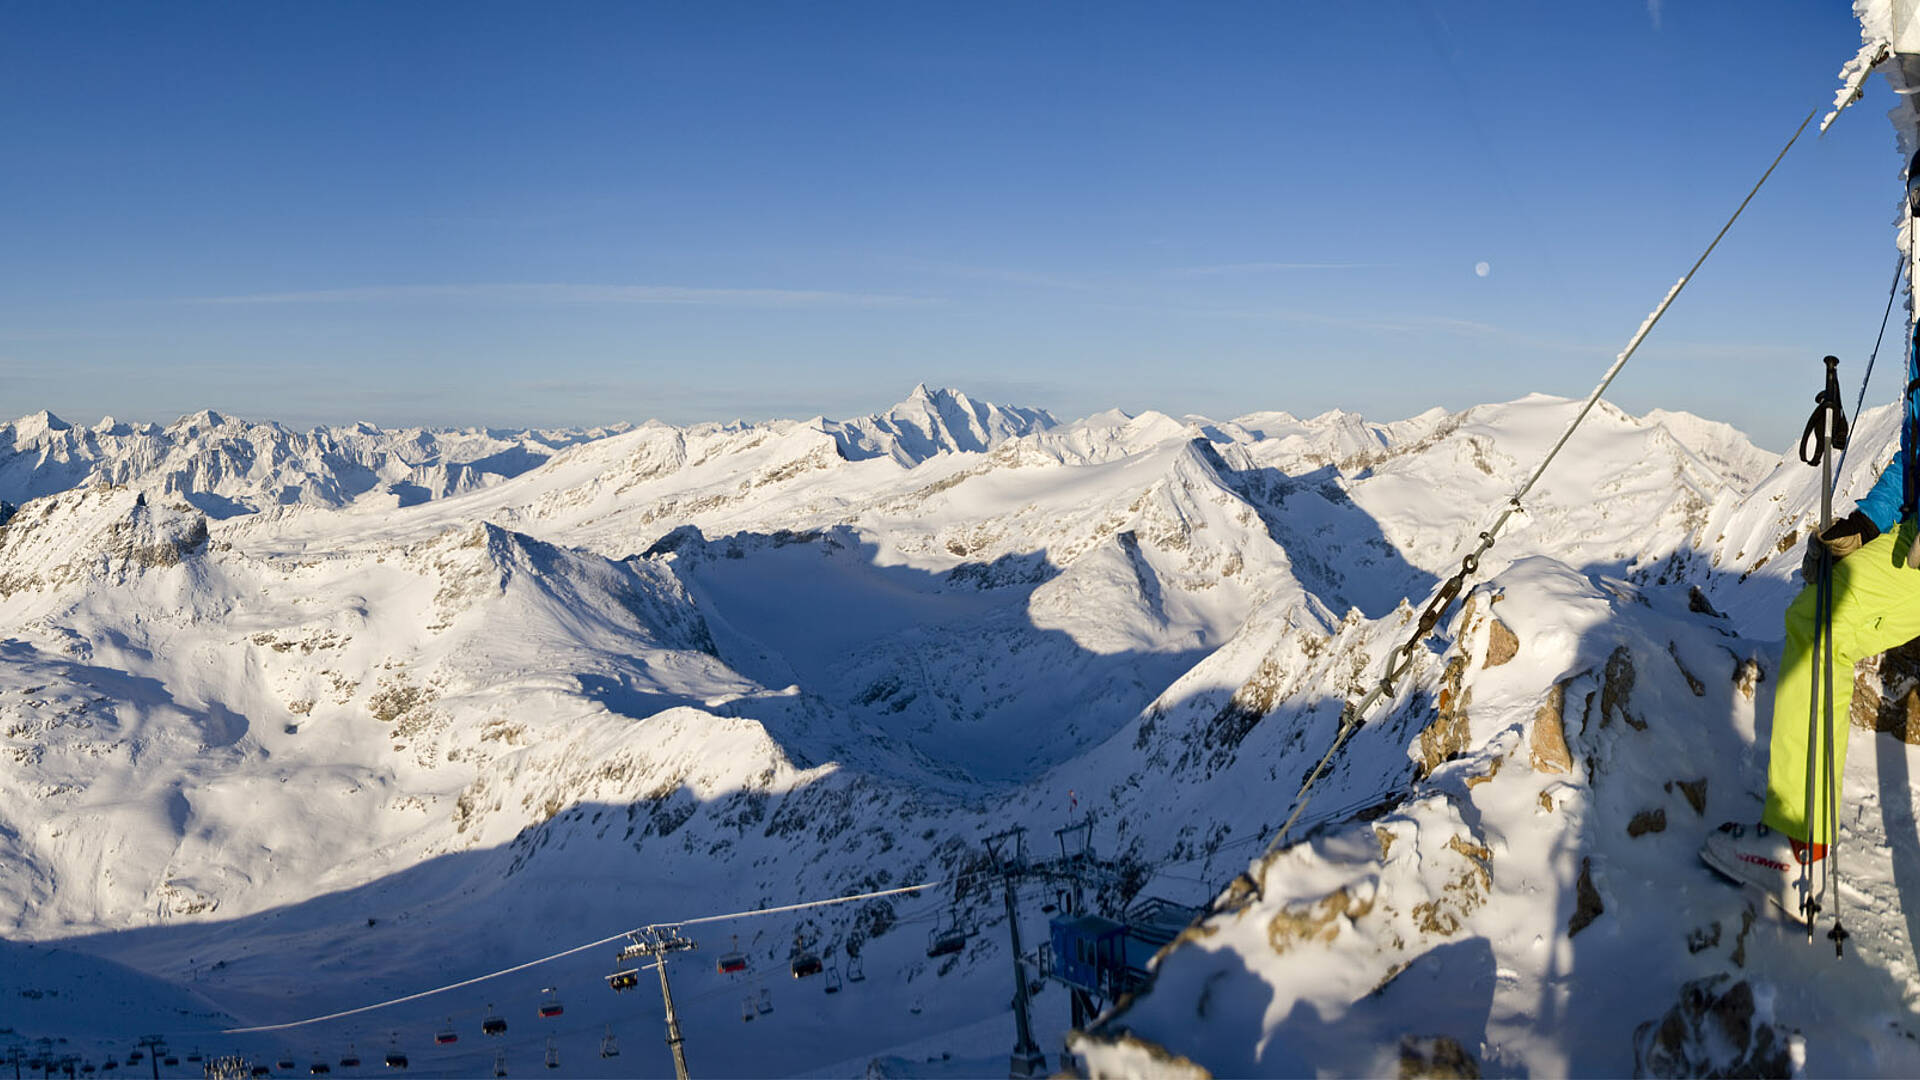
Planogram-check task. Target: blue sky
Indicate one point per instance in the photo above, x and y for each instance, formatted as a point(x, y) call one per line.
point(547, 214)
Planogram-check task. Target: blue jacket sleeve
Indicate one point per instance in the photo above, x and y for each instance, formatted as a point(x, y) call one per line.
point(1882, 504)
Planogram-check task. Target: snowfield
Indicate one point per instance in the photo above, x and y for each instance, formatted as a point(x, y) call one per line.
point(294, 723)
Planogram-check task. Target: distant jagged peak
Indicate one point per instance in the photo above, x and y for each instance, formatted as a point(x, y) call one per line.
point(34, 425)
point(934, 421)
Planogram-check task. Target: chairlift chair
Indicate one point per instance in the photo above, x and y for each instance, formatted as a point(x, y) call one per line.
point(285, 1064)
point(350, 1059)
point(320, 1068)
point(734, 962)
point(765, 1004)
point(258, 1070)
point(111, 1063)
point(609, 1048)
point(136, 1057)
point(945, 941)
point(553, 1053)
point(195, 1057)
point(493, 1025)
point(170, 1061)
point(500, 1063)
point(624, 980)
point(447, 1034)
point(550, 1006)
point(833, 979)
point(856, 968)
point(746, 1009)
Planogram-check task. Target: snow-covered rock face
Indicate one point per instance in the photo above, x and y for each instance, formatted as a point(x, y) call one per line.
point(294, 759)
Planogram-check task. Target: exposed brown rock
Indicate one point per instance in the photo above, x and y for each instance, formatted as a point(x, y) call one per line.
point(1493, 770)
point(1440, 1057)
point(1616, 688)
point(1886, 693)
point(1739, 955)
point(1747, 675)
point(1446, 913)
point(1502, 644)
point(1586, 905)
point(1247, 707)
point(1698, 603)
point(1447, 734)
point(1315, 921)
point(1699, 688)
point(1711, 1031)
point(1703, 937)
point(1547, 743)
point(1696, 793)
point(1647, 821)
point(1480, 854)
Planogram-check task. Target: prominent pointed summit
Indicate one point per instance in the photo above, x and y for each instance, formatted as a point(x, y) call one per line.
point(935, 421)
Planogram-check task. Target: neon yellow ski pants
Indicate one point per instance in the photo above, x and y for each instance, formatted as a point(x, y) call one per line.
point(1876, 605)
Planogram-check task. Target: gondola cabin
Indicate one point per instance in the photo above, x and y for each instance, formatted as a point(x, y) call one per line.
point(732, 963)
point(622, 981)
point(396, 1060)
point(1089, 952)
point(350, 1059)
point(806, 964)
point(493, 1025)
point(320, 1068)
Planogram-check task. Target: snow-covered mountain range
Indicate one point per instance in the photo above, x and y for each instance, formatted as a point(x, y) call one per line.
point(293, 723)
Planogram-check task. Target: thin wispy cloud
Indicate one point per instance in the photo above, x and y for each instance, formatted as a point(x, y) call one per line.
point(1396, 325)
point(1232, 269)
point(1004, 275)
point(683, 295)
point(1653, 12)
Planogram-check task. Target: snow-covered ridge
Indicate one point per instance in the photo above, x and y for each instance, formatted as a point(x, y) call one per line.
point(227, 466)
point(674, 670)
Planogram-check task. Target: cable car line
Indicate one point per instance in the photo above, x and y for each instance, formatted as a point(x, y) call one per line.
point(608, 940)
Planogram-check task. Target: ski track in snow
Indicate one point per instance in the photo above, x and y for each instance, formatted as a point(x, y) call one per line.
point(295, 723)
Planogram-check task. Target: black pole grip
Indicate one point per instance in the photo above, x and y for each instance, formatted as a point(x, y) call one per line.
point(1827, 428)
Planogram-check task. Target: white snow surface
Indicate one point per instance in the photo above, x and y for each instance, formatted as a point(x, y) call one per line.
point(280, 741)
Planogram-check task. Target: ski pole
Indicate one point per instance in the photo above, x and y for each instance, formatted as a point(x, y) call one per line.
point(1826, 431)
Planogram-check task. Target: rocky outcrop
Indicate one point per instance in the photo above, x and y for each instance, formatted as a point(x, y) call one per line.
point(1886, 693)
point(1712, 1031)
